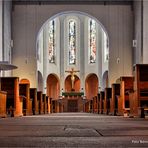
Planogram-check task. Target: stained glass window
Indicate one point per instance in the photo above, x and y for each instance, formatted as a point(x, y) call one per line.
point(51, 42)
point(106, 48)
point(72, 41)
point(92, 40)
point(39, 46)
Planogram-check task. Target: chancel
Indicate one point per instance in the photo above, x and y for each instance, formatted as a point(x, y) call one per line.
point(65, 49)
point(70, 69)
point(72, 73)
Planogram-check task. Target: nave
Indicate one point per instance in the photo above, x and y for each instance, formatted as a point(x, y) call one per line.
point(128, 97)
point(73, 130)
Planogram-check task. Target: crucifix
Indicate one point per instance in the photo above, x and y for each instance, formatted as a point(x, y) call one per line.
point(72, 73)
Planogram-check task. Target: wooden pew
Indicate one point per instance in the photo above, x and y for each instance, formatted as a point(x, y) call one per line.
point(91, 106)
point(101, 105)
point(95, 104)
point(3, 96)
point(98, 97)
point(139, 96)
point(106, 101)
point(61, 105)
point(126, 85)
point(53, 106)
point(40, 100)
point(114, 99)
point(56, 105)
point(24, 90)
point(48, 104)
point(44, 104)
point(35, 104)
point(87, 106)
point(13, 101)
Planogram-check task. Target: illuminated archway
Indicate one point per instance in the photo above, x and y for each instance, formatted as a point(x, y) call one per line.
point(68, 86)
point(53, 86)
point(91, 86)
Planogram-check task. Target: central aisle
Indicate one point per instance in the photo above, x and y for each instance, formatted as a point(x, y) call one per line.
point(73, 130)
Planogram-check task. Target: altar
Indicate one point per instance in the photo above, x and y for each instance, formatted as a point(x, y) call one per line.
point(72, 101)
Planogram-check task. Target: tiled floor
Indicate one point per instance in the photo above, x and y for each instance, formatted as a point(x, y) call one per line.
point(73, 130)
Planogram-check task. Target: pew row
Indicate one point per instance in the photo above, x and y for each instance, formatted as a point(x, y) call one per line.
point(13, 100)
point(114, 99)
point(139, 95)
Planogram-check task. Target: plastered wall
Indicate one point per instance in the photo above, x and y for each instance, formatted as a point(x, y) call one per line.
point(28, 19)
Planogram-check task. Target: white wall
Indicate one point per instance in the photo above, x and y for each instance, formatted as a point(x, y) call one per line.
point(137, 51)
point(145, 32)
point(61, 62)
point(27, 20)
point(141, 53)
point(25, 32)
point(7, 30)
point(120, 41)
point(1, 22)
point(7, 34)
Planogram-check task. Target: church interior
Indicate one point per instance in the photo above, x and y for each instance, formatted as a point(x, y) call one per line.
point(73, 56)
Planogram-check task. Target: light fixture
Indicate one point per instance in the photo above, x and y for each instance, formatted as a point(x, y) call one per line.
point(134, 43)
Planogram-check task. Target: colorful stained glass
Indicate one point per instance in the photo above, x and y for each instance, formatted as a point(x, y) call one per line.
point(72, 42)
point(39, 46)
point(51, 42)
point(106, 48)
point(92, 41)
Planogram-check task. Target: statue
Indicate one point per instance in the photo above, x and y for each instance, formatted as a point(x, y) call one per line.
point(72, 73)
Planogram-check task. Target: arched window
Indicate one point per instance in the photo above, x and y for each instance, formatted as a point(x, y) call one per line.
point(92, 40)
point(51, 42)
point(72, 41)
point(106, 47)
point(40, 46)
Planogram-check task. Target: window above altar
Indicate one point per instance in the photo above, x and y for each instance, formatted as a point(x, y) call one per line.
point(92, 39)
point(72, 40)
point(51, 41)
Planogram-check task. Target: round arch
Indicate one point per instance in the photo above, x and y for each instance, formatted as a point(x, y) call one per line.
point(74, 12)
point(68, 86)
point(53, 86)
point(91, 85)
point(69, 13)
point(24, 81)
point(118, 81)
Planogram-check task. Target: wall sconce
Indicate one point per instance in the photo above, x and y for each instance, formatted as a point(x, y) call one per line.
point(134, 43)
point(118, 60)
